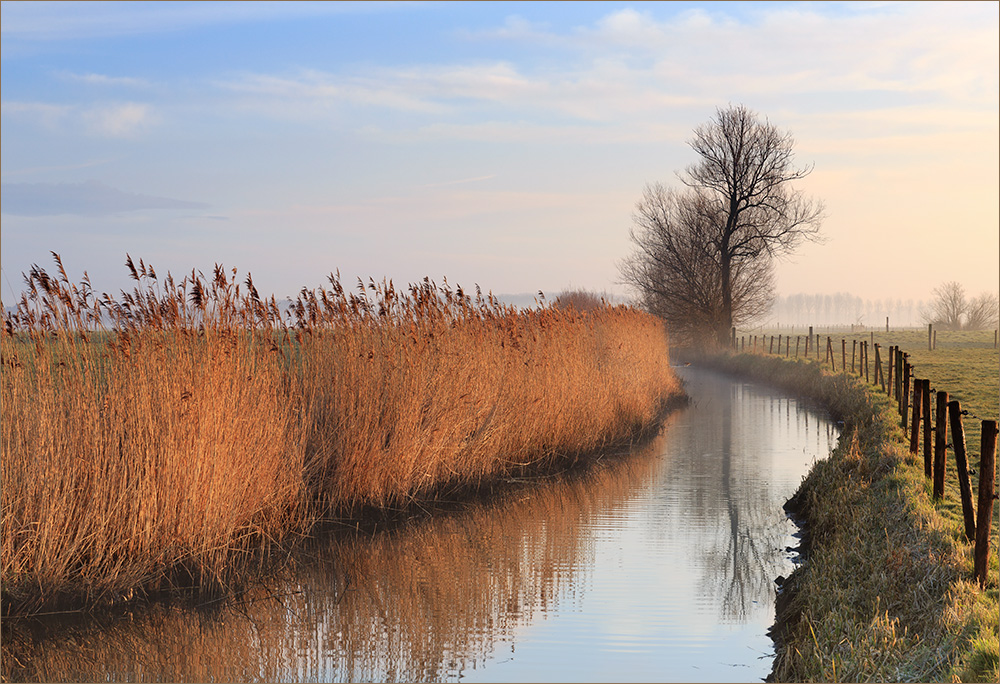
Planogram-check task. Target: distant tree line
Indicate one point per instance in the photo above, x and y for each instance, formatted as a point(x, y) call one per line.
point(949, 309)
point(842, 308)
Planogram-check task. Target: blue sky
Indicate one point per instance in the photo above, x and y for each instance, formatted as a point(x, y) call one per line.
point(503, 144)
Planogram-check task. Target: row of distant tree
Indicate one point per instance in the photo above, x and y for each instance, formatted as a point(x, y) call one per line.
point(949, 309)
point(842, 308)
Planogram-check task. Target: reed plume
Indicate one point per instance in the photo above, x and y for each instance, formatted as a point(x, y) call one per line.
point(163, 435)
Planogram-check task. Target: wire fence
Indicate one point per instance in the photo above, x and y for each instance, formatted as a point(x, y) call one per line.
point(891, 371)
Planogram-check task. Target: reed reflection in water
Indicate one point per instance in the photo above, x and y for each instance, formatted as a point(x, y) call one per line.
point(659, 566)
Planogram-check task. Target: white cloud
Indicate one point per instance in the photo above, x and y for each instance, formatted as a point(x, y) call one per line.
point(630, 72)
point(75, 20)
point(314, 93)
point(459, 97)
point(104, 80)
point(110, 120)
point(42, 113)
point(119, 120)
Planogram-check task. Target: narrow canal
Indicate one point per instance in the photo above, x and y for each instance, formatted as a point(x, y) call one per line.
point(655, 567)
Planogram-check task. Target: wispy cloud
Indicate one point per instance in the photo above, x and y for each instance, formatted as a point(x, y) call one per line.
point(459, 182)
point(122, 120)
point(515, 27)
point(104, 80)
point(52, 21)
point(62, 167)
point(312, 92)
point(111, 119)
point(90, 198)
point(632, 72)
point(41, 113)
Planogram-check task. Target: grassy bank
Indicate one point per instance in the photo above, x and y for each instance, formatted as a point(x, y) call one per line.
point(167, 436)
point(963, 363)
point(887, 593)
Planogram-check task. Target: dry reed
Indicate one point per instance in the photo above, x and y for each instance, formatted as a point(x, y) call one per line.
point(421, 602)
point(162, 436)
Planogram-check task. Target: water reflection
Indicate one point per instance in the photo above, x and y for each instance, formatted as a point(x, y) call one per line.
point(656, 567)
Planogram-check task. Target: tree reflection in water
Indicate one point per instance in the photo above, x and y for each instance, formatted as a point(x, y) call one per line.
point(442, 597)
point(739, 457)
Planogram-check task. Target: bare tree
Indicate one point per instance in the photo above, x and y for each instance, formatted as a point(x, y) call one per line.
point(982, 312)
point(948, 306)
point(746, 169)
point(739, 212)
point(676, 268)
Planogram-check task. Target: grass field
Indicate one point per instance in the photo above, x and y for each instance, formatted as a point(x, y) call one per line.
point(165, 437)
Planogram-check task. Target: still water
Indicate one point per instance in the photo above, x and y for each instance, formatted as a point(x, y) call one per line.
point(659, 566)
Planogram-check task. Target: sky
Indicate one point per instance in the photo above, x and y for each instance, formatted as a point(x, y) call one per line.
point(498, 144)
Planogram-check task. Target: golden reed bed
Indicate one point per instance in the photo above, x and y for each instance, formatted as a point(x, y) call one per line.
point(165, 435)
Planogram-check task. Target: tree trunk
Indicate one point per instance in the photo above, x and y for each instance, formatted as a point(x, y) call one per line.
point(726, 314)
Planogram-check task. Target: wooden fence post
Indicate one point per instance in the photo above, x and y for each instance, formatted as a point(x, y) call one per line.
point(866, 362)
point(918, 395)
point(925, 403)
point(962, 466)
point(854, 353)
point(796, 346)
point(930, 337)
point(733, 332)
point(890, 381)
point(770, 349)
point(987, 476)
point(940, 442)
point(904, 396)
point(879, 376)
point(788, 345)
point(898, 388)
point(829, 354)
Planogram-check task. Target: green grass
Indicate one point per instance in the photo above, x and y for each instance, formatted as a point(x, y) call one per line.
point(888, 592)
